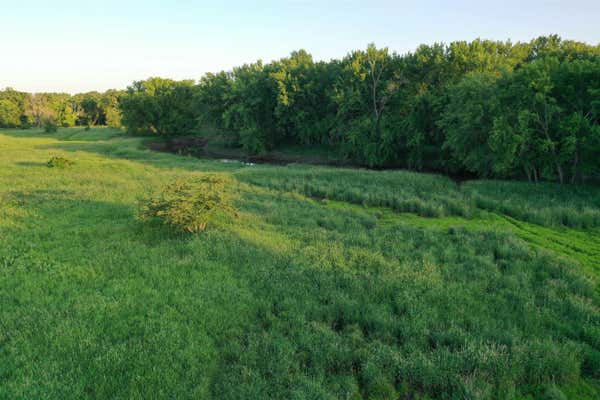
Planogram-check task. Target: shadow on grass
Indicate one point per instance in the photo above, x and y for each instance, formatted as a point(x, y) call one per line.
point(31, 164)
point(80, 279)
point(66, 134)
point(302, 316)
point(134, 150)
point(65, 220)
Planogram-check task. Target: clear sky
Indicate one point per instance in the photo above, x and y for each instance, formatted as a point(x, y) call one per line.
point(73, 46)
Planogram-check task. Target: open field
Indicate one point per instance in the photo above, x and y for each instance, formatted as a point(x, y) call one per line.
point(331, 283)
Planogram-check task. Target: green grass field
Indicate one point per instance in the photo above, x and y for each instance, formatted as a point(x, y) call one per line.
point(331, 283)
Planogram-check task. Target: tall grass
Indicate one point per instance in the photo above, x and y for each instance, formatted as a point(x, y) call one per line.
point(403, 191)
point(547, 204)
point(294, 299)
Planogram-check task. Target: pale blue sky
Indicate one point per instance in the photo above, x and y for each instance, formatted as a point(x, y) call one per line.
point(72, 46)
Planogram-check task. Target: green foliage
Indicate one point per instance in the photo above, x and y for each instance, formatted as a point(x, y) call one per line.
point(24, 110)
point(250, 117)
point(467, 121)
point(362, 97)
point(9, 114)
point(302, 111)
point(50, 126)
point(13, 108)
point(189, 205)
point(90, 108)
point(492, 108)
point(59, 162)
point(158, 106)
point(539, 121)
point(110, 104)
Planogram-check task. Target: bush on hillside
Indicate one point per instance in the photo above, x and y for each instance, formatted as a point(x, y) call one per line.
point(59, 162)
point(189, 206)
point(50, 126)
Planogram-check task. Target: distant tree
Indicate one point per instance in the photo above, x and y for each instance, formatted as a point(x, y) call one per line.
point(10, 114)
point(368, 85)
point(468, 120)
point(250, 116)
point(303, 104)
point(555, 106)
point(49, 125)
point(212, 99)
point(62, 110)
point(13, 108)
point(91, 109)
point(39, 109)
point(109, 103)
point(159, 106)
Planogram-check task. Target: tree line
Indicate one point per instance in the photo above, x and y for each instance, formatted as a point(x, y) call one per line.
point(490, 108)
point(25, 110)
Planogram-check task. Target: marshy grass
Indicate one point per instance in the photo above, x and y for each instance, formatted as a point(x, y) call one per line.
point(427, 195)
point(547, 204)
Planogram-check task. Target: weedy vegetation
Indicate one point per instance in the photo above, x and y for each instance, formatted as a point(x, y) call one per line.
point(59, 162)
point(189, 205)
point(50, 126)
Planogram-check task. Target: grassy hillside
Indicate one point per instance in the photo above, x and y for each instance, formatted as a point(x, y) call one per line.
point(330, 284)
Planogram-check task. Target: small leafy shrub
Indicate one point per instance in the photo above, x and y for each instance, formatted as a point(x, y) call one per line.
point(59, 162)
point(189, 206)
point(50, 126)
point(25, 122)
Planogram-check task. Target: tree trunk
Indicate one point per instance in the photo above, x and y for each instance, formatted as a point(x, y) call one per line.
point(560, 172)
point(546, 130)
point(528, 173)
point(575, 165)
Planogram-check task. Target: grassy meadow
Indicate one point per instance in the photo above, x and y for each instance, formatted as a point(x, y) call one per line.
point(331, 283)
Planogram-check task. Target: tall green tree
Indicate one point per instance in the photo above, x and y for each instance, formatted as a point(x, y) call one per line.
point(250, 116)
point(159, 106)
point(368, 85)
point(14, 108)
point(468, 120)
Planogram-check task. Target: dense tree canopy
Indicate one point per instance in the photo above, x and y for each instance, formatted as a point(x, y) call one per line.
point(19, 109)
point(494, 109)
point(159, 106)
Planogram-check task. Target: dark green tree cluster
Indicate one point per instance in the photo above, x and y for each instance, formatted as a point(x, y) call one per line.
point(540, 120)
point(494, 109)
point(159, 106)
point(24, 110)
